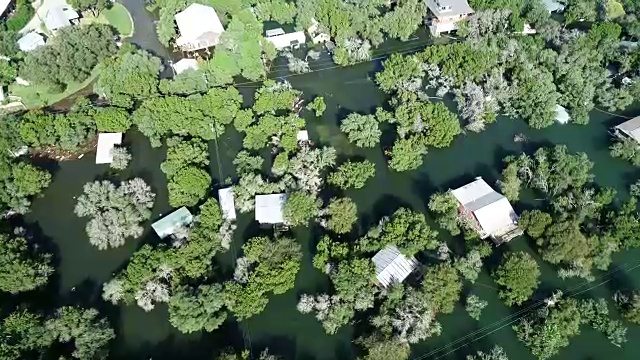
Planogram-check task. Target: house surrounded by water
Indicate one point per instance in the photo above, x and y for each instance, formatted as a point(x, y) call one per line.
point(282, 40)
point(269, 208)
point(629, 129)
point(446, 14)
point(488, 211)
point(199, 27)
point(169, 224)
point(392, 266)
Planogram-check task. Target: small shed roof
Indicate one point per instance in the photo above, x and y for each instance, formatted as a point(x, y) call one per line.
point(30, 41)
point(303, 135)
point(490, 208)
point(227, 203)
point(59, 17)
point(631, 128)
point(392, 266)
point(168, 224)
point(106, 142)
point(562, 116)
point(199, 27)
point(448, 8)
point(269, 208)
point(184, 65)
point(286, 40)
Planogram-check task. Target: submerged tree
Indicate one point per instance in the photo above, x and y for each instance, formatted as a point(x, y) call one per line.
point(496, 353)
point(362, 130)
point(519, 274)
point(474, 306)
point(121, 158)
point(352, 174)
point(626, 149)
point(340, 215)
point(300, 208)
point(22, 267)
point(196, 309)
point(116, 212)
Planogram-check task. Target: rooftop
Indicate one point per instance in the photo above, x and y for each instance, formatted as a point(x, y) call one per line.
point(59, 17)
point(282, 40)
point(562, 116)
point(184, 65)
point(269, 208)
point(392, 266)
point(553, 5)
point(227, 203)
point(168, 224)
point(199, 27)
point(490, 208)
point(30, 41)
point(631, 128)
point(106, 142)
point(449, 8)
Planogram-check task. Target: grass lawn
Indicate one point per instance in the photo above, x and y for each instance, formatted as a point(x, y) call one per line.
point(118, 17)
point(35, 96)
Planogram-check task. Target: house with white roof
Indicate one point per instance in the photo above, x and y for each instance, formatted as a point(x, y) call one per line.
point(227, 203)
point(488, 211)
point(199, 27)
point(60, 17)
point(562, 116)
point(317, 36)
point(269, 208)
point(447, 14)
point(30, 41)
point(168, 224)
point(392, 266)
point(629, 129)
point(184, 65)
point(282, 40)
point(106, 143)
point(553, 6)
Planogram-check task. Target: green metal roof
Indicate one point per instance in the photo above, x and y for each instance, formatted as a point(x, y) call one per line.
point(167, 225)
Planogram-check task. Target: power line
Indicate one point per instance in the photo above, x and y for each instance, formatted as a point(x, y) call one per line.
point(518, 315)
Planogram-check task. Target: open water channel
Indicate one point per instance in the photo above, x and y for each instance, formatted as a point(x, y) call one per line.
point(83, 268)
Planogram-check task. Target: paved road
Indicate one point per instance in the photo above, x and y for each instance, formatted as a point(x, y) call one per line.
point(42, 7)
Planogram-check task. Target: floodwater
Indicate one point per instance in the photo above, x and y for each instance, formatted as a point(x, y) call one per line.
point(82, 268)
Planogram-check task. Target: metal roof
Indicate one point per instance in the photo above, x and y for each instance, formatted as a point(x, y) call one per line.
point(490, 208)
point(227, 203)
point(286, 40)
point(553, 5)
point(269, 208)
point(168, 224)
point(106, 142)
point(449, 8)
point(392, 266)
point(562, 116)
point(184, 65)
point(199, 27)
point(30, 41)
point(59, 17)
point(631, 128)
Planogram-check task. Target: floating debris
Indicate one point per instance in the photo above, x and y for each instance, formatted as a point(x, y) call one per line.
point(520, 138)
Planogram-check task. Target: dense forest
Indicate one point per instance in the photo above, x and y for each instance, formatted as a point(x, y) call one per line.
point(575, 59)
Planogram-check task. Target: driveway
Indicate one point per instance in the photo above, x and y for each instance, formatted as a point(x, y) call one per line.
point(42, 7)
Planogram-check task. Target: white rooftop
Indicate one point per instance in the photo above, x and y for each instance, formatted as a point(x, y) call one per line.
point(303, 135)
point(562, 116)
point(168, 224)
point(227, 203)
point(392, 266)
point(199, 27)
point(449, 8)
point(553, 5)
point(59, 17)
point(631, 128)
point(106, 142)
point(491, 209)
point(269, 208)
point(184, 65)
point(285, 40)
point(30, 41)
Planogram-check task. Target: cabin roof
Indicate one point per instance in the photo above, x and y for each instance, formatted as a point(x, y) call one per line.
point(562, 116)
point(269, 208)
point(631, 128)
point(199, 27)
point(227, 203)
point(490, 208)
point(106, 143)
point(59, 17)
point(184, 65)
point(30, 41)
point(392, 266)
point(282, 41)
point(168, 224)
point(454, 7)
